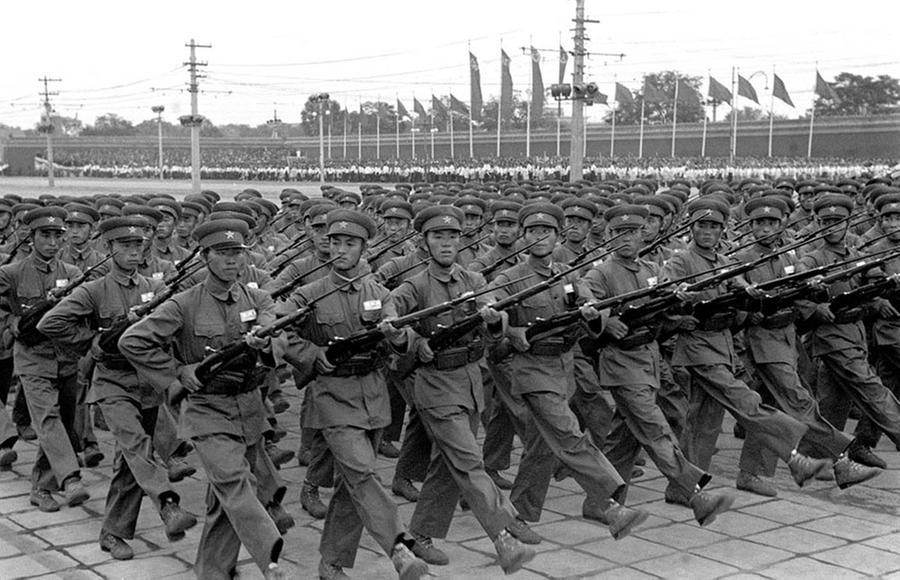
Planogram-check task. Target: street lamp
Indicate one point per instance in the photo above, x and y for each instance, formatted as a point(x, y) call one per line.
point(321, 99)
point(771, 106)
point(158, 109)
point(433, 131)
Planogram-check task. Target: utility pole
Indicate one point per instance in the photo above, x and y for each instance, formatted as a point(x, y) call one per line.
point(195, 120)
point(46, 125)
point(158, 109)
point(576, 145)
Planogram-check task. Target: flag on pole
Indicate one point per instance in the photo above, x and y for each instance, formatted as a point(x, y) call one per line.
point(537, 85)
point(718, 91)
point(746, 90)
point(438, 109)
point(506, 86)
point(652, 94)
point(825, 90)
point(475, 87)
point(624, 96)
point(687, 95)
point(419, 109)
point(402, 113)
point(563, 61)
point(779, 91)
point(458, 106)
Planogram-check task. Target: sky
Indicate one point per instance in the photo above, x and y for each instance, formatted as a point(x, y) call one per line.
point(269, 56)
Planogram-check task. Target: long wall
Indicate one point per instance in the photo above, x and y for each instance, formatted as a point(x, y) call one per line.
point(847, 137)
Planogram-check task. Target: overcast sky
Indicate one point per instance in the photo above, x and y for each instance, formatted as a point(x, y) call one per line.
point(125, 57)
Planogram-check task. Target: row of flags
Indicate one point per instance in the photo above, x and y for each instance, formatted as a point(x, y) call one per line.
point(685, 92)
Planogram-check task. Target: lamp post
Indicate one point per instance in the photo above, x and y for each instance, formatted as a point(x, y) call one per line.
point(321, 99)
point(433, 131)
point(771, 105)
point(158, 109)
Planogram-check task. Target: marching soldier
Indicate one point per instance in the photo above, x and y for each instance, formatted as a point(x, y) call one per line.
point(129, 407)
point(224, 417)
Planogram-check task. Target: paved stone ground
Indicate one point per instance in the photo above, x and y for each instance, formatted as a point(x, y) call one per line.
point(814, 532)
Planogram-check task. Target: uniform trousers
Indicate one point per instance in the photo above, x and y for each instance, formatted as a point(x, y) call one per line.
point(165, 434)
point(589, 404)
point(416, 449)
point(640, 423)
point(822, 440)
point(52, 405)
point(670, 397)
point(320, 471)
point(83, 424)
point(392, 432)
point(134, 470)
point(711, 390)
point(500, 428)
point(6, 379)
point(359, 501)
point(457, 467)
point(845, 378)
point(234, 514)
point(8, 433)
point(887, 365)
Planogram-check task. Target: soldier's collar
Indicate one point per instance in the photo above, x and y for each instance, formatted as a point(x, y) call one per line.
point(217, 288)
point(442, 274)
point(627, 263)
point(123, 277)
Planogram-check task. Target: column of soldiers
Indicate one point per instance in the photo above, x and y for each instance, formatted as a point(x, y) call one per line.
point(600, 322)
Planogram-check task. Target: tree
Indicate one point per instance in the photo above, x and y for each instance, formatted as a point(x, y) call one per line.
point(660, 112)
point(110, 125)
point(751, 114)
point(309, 117)
point(861, 95)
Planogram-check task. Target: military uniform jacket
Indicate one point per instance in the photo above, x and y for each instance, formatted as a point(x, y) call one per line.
point(83, 258)
point(492, 256)
point(386, 274)
point(155, 268)
point(300, 268)
point(770, 345)
point(23, 284)
point(828, 338)
point(461, 386)
point(617, 366)
point(403, 249)
point(699, 347)
point(561, 296)
point(168, 250)
point(180, 331)
point(356, 401)
point(76, 320)
point(886, 331)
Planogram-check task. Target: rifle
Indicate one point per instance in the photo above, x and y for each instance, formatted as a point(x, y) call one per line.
point(375, 255)
point(443, 337)
point(284, 228)
point(108, 339)
point(287, 288)
point(285, 260)
point(784, 228)
point(27, 330)
point(669, 235)
point(846, 301)
point(14, 250)
point(222, 359)
point(389, 283)
point(184, 265)
point(817, 232)
point(341, 349)
point(488, 270)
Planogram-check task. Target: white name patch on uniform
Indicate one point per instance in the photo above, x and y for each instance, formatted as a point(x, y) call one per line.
point(61, 282)
point(157, 275)
point(248, 315)
point(146, 296)
point(372, 305)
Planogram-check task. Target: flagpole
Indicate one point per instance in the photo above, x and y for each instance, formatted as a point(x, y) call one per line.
point(344, 152)
point(359, 132)
point(471, 140)
point(377, 131)
point(641, 138)
point(734, 96)
point(398, 131)
point(527, 129)
point(771, 111)
point(812, 119)
point(584, 141)
point(703, 142)
point(612, 135)
point(500, 101)
point(450, 122)
point(558, 125)
point(674, 116)
point(412, 131)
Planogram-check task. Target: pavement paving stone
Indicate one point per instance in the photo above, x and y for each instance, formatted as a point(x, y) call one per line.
point(797, 540)
point(862, 558)
point(77, 533)
point(683, 565)
point(150, 568)
point(890, 542)
point(784, 512)
point(628, 551)
point(854, 529)
point(37, 563)
point(742, 554)
point(809, 568)
point(565, 563)
point(739, 525)
point(681, 536)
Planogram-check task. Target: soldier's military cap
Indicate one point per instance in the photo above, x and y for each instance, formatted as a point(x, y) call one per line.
point(673, 200)
point(655, 205)
point(6, 205)
point(288, 192)
point(471, 205)
point(153, 215)
point(211, 195)
point(233, 206)
point(766, 206)
point(849, 185)
point(80, 213)
point(396, 208)
point(439, 217)
point(234, 215)
point(122, 228)
point(248, 193)
point(203, 201)
point(826, 188)
point(222, 234)
point(20, 209)
point(889, 202)
point(193, 209)
point(350, 222)
point(625, 215)
point(317, 213)
point(873, 192)
point(718, 210)
point(348, 197)
point(135, 199)
point(118, 203)
point(15, 198)
point(579, 207)
point(505, 210)
point(266, 206)
point(166, 205)
point(833, 204)
point(46, 218)
point(296, 200)
point(541, 214)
